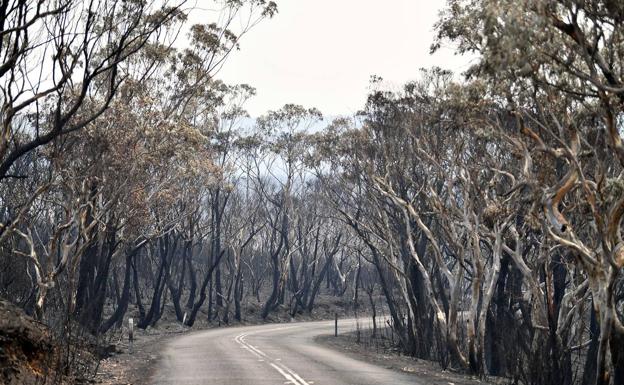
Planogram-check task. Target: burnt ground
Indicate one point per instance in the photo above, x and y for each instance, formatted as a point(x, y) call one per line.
point(381, 352)
point(27, 349)
point(123, 368)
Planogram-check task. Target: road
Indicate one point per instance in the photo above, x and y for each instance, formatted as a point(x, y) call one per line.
point(273, 354)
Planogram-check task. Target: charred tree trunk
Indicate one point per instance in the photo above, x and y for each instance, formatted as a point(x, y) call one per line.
point(122, 306)
point(176, 292)
point(192, 278)
point(87, 269)
point(154, 311)
point(272, 301)
point(137, 290)
point(202, 290)
point(238, 293)
point(617, 356)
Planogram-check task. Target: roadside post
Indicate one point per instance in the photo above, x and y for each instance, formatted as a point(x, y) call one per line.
point(336, 326)
point(130, 335)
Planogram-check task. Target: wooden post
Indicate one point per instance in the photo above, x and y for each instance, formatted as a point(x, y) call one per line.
point(336, 326)
point(130, 335)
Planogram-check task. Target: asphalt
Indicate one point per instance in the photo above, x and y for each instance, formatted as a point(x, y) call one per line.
point(273, 354)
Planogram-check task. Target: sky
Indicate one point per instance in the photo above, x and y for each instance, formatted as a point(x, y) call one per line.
point(322, 53)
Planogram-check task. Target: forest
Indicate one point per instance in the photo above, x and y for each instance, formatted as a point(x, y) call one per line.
point(482, 209)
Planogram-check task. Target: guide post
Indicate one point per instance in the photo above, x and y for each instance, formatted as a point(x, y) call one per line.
point(130, 335)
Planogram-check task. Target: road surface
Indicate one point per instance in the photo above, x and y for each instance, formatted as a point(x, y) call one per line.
point(273, 354)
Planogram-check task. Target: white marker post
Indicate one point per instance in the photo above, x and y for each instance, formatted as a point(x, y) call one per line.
point(130, 335)
point(184, 319)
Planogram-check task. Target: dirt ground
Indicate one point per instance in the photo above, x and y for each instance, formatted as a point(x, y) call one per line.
point(26, 348)
point(125, 368)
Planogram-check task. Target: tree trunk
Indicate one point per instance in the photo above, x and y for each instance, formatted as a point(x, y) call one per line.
point(317, 284)
point(122, 306)
point(137, 290)
point(156, 296)
point(617, 356)
point(202, 291)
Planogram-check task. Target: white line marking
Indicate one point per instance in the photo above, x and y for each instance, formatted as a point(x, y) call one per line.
point(252, 352)
point(260, 352)
point(285, 371)
point(285, 375)
point(292, 372)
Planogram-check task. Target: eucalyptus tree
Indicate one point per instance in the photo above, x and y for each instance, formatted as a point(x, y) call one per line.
point(421, 186)
point(62, 65)
point(563, 82)
point(104, 156)
point(278, 173)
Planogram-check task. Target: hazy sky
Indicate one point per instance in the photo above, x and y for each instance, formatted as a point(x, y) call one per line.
point(321, 53)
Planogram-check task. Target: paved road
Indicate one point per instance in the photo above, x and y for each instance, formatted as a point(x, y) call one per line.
point(268, 354)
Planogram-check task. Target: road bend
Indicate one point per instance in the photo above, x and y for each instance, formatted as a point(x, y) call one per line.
point(272, 354)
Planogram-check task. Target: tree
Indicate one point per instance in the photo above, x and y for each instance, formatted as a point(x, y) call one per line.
point(562, 82)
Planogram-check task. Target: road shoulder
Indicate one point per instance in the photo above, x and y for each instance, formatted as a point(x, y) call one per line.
point(428, 371)
point(123, 368)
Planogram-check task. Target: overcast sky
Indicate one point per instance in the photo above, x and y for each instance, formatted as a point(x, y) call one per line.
point(321, 53)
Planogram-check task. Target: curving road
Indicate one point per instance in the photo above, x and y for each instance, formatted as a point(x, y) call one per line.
point(268, 354)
